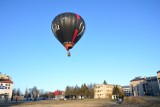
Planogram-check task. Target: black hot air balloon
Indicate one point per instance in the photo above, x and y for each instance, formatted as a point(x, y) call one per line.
point(68, 28)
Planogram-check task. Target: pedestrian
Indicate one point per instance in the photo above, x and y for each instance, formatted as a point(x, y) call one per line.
point(16, 98)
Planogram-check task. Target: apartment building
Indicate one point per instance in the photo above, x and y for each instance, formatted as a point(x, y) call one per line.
point(141, 86)
point(6, 86)
point(103, 90)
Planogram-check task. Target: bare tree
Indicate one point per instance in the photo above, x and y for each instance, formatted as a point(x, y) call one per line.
point(35, 92)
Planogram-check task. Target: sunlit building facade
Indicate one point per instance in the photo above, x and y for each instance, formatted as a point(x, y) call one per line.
point(141, 86)
point(103, 90)
point(6, 87)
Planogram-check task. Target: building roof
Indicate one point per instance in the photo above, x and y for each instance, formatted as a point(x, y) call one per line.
point(58, 92)
point(151, 78)
point(145, 78)
point(4, 76)
point(105, 84)
point(6, 81)
point(127, 86)
point(137, 79)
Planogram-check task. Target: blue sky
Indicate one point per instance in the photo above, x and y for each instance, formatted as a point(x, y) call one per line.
point(121, 42)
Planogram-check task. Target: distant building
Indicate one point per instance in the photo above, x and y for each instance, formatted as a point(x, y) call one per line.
point(103, 90)
point(141, 86)
point(158, 79)
point(59, 94)
point(126, 90)
point(6, 86)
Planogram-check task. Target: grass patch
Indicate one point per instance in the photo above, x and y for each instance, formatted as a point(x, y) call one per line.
point(134, 100)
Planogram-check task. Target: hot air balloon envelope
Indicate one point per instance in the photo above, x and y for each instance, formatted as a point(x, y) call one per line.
point(68, 28)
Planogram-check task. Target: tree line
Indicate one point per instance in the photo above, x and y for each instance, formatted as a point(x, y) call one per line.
point(32, 93)
point(86, 91)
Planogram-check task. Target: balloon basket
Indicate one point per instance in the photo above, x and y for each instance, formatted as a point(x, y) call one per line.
point(69, 54)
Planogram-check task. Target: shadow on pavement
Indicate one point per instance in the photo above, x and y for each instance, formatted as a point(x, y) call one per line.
point(12, 103)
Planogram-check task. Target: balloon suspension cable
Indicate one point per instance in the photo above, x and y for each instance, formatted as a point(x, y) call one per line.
point(69, 54)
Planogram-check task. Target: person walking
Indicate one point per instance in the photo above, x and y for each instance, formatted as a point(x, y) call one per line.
point(16, 99)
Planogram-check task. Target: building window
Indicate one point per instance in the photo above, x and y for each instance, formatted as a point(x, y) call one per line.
point(5, 87)
point(6, 84)
point(1, 84)
point(8, 87)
